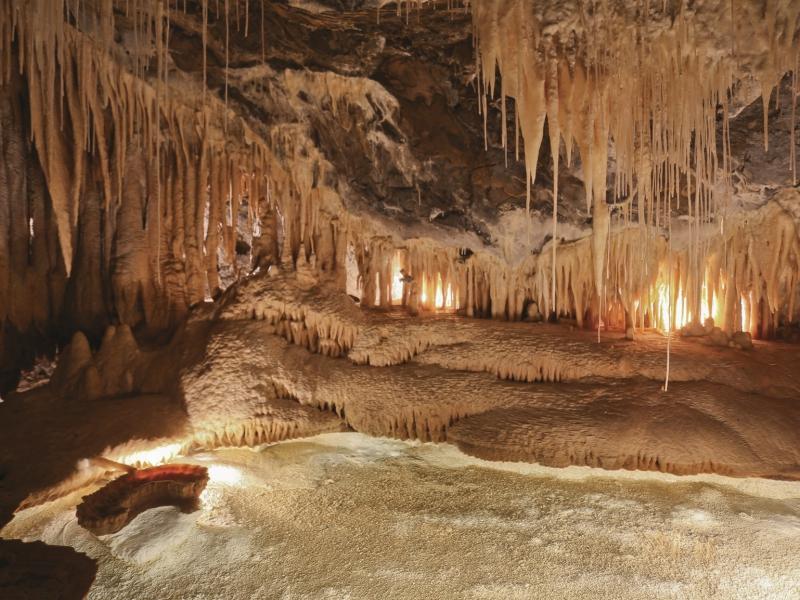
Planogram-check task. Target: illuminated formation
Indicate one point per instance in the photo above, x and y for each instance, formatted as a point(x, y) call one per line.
point(174, 168)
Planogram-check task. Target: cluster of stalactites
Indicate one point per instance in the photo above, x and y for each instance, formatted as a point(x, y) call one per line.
point(172, 169)
point(650, 89)
point(172, 180)
point(649, 83)
point(646, 84)
point(746, 278)
point(404, 8)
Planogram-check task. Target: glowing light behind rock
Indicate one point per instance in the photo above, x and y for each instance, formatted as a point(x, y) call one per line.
point(151, 457)
point(679, 311)
point(397, 280)
point(443, 299)
point(439, 301)
point(708, 309)
point(224, 475)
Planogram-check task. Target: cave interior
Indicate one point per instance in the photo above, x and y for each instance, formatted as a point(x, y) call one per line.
point(564, 233)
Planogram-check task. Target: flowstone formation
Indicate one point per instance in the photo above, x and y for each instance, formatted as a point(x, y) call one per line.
point(282, 356)
point(563, 232)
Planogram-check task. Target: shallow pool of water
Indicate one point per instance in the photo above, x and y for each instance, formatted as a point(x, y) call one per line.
point(349, 516)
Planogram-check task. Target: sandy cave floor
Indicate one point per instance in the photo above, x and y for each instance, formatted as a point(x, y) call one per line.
point(350, 516)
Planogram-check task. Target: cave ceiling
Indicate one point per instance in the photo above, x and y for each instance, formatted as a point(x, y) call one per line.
point(423, 128)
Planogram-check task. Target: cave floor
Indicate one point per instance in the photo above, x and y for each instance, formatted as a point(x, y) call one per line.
point(344, 515)
point(349, 516)
point(727, 411)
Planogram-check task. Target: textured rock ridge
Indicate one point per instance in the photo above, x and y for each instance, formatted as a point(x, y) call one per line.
point(116, 504)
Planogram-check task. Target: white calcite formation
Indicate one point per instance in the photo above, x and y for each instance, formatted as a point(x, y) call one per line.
point(427, 374)
point(434, 523)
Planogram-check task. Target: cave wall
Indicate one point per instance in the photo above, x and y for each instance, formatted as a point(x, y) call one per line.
point(32, 275)
point(132, 224)
point(149, 139)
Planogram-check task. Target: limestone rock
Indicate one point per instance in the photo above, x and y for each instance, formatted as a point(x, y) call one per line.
point(75, 374)
point(717, 337)
point(532, 313)
point(36, 570)
point(708, 325)
point(113, 506)
point(693, 329)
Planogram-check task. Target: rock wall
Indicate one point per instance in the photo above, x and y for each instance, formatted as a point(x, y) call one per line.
point(145, 142)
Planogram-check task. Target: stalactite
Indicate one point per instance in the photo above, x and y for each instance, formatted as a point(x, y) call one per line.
point(227, 57)
point(554, 133)
point(661, 114)
point(590, 89)
point(107, 113)
point(793, 120)
point(653, 289)
point(205, 49)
